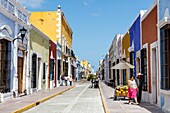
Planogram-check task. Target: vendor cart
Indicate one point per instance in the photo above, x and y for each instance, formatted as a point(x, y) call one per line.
point(121, 91)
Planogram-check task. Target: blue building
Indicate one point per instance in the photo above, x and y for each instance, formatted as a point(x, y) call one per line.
point(13, 53)
point(135, 41)
point(163, 44)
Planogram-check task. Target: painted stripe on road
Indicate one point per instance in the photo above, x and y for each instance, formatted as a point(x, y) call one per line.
point(103, 101)
point(75, 100)
point(25, 108)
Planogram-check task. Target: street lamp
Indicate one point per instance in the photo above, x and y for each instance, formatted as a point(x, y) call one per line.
point(22, 34)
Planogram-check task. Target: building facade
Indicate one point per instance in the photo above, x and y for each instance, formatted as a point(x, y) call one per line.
point(106, 73)
point(164, 50)
point(38, 61)
point(126, 56)
point(52, 65)
point(56, 27)
point(150, 47)
point(13, 70)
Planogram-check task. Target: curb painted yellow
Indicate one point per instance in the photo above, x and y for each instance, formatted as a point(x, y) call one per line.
point(103, 101)
point(40, 101)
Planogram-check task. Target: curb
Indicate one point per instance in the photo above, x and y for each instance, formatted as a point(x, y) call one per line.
point(40, 101)
point(103, 101)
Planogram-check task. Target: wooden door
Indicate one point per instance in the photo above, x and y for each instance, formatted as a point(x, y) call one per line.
point(20, 75)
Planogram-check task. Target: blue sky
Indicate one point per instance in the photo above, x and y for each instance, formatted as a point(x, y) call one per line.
point(94, 22)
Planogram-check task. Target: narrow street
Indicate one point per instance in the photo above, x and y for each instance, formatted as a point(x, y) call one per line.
point(80, 99)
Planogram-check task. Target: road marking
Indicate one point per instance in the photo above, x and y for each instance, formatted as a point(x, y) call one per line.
point(75, 100)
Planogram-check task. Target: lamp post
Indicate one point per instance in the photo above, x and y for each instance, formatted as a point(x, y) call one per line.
point(21, 33)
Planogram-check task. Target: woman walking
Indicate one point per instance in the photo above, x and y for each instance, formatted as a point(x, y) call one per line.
point(132, 90)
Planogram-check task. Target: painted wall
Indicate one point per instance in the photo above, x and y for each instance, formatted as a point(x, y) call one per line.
point(135, 37)
point(164, 8)
point(46, 22)
point(6, 21)
point(149, 35)
point(85, 63)
point(119, 44)
point(40, 45)
point(126, 44)
point(107, 68)
point(52, 54)
point(66, 31)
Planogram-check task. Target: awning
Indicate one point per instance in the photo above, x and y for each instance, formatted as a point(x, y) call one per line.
point(123, 65)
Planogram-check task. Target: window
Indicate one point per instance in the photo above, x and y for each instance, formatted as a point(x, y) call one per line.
point(114, 76)
point(4, 3)
point(144, 68)
point(131, 62)
point(24, 18)
point(34, 71)
point(164, 55)
point(59, 69)
point(109, 69)
point(19, 14)
point(44, 70)
point(51, 69)
point(5, 64)
point(118, 77)
point(11, 8)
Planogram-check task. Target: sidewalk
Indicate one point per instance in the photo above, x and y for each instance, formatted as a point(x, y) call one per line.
point(29, 101)
point(121, 106)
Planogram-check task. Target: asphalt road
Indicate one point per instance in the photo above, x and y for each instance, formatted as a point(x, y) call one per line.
point(80, 99)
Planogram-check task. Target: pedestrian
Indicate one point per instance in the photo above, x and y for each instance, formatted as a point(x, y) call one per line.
point(65, 78)
point(70, 80)
point(92, 82)
point(139, 83)
point(132, 90)
point(62, 80)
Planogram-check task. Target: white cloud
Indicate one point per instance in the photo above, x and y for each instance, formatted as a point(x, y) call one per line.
point(86, 4)
point(95, 14)
point(32, 3)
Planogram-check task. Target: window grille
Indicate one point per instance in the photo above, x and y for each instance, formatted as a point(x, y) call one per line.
point(164, 56)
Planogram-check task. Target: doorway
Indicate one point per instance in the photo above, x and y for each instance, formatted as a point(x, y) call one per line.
point(34, 71)
point(154, 76)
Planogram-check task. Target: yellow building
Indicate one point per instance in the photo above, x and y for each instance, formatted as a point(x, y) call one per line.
point(125, 52)
point(55, 26)
point(86, 64)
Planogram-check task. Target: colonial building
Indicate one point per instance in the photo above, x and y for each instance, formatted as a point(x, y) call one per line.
point(56, 27)
point(149, 55)
point(38, 60)
point(126, 56)
point(13, 48)
point(135, 41)
point(164, 52)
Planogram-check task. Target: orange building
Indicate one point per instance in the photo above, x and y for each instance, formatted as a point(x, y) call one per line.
point(150, 52)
